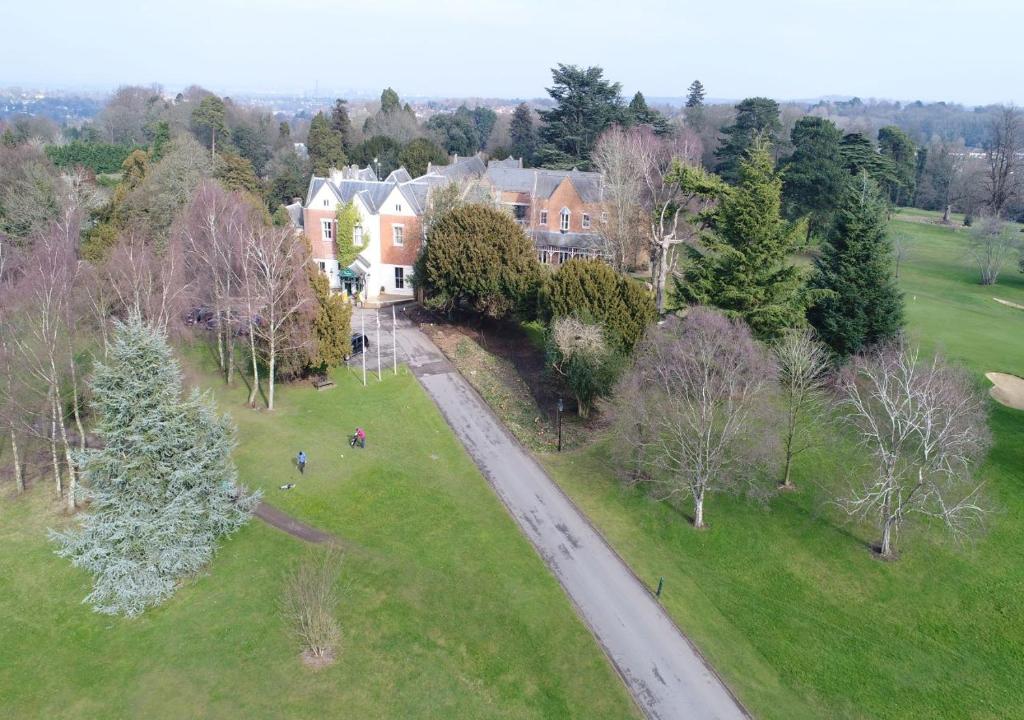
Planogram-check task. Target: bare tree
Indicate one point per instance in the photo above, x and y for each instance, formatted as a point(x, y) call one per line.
point(46, 287)
point(144, 280)
point(990, 244)
point(617, 156)
point(9, 389)
point(310, 602)
point(213, 230)
point(1003, 157)
point(278, 274)
point(924, 425)
point(901, 243)
point(697, 385)
point(677, 192)
point(803, 364)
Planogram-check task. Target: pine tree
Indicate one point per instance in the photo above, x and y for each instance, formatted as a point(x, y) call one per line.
point(860, 305)
point(814, 176)
point(324, 146)
point(332, 326)
point(756, 118)
point(341, 124)
point(524, 137)
point(694, 110)
point(586, 104)
point(163, 488)
point(745, 269)
point(639, 113)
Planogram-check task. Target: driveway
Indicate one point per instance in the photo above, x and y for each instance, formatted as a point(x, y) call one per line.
point(668, 678)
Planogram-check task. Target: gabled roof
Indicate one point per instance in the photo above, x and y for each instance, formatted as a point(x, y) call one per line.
point(460, 168)
point(400, 175)
point(544, 182)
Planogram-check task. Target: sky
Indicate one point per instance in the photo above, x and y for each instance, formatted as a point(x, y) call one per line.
point(954, 50)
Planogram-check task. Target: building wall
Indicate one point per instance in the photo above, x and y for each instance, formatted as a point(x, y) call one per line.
point(311, 219)
point(412, 236)
point(565, 196)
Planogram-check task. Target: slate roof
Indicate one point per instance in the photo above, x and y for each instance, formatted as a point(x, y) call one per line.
point(460, 169)
point(544, 182)
point(555, 239)
point(295, 214)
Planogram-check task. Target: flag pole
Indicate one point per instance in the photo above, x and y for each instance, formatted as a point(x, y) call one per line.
point(394, 339)
point(379, 376)
point(362, 350)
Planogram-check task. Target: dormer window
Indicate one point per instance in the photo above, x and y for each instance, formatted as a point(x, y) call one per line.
point(565, 214)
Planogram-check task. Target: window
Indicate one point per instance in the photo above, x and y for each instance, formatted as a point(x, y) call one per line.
point(564, 226)
point(519, 212)
point(543, 217)
point(604, 217)
point(323, 265)
point(327, 229)
point(325, 203)
point(357, 236)
point(398, 235)
point(399, 278)
point(586, 221)
point(542, 255)
point(398, 207)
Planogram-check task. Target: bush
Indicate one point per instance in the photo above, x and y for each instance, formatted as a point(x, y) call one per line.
point(309, 602)
point(578, 352)
point(593, 290)
point(477, 258)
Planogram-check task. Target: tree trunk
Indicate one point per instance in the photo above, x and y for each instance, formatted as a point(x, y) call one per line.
point(698, 510)
point(72, 474)
point(255, 367)
point(659, 275)
point(230, 340)
point(787, 484)
point(945, 213)
point(53, 444)
point(19, 476)
point(885, 549)
point(75, 407)
point(270, 375)
point(220, 342)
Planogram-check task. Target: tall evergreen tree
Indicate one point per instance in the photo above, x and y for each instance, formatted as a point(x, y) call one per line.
point(639, 113)
point(163, 487)
point(897, 146)
point(756, 117)
point(745, 268)
point(324, 146)
point(861, 156)
point(695, 106)
point(342, 124)
point(522, 133)
point(586, 105)
point(814, 176)
point(209, 120)
point(859, 304)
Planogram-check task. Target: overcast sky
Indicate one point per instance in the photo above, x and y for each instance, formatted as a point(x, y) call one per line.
point(959, 50)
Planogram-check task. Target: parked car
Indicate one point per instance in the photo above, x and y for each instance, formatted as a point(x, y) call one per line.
point(359, 343)
point(198, 316)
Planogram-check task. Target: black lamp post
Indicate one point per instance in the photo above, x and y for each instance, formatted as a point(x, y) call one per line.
point(561, 408)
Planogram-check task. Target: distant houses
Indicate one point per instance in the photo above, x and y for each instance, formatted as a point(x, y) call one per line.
point(560, 210)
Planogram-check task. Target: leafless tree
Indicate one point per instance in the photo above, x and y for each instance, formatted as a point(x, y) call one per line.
point(991, 243)
point(278, 261)
point(145, 280)
point(310, 603)
point(213, 229)
point(9, 405)
point(618, 157)
point(1003, 155)
point(901, 243)
point(677, 192)
point(924, 426)
point(46, 287)
point(803, 365)
point(697, 385)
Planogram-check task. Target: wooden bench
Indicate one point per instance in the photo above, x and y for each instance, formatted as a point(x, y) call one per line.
point(322, 382)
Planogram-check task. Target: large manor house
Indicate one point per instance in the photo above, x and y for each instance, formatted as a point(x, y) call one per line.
point(558, 209)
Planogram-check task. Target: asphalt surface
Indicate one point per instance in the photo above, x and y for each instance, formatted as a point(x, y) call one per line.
point(668, 678)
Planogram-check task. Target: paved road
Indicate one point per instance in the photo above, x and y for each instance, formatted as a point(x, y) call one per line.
point(664, 673)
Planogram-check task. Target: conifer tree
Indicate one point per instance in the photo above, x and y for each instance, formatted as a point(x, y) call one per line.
point(342, 124)
point(695, 105)
point(163, 487)
point(523, 135)
point(640, 113)
point(324, 146)
point(756, 119)
point(744, 267)
point(860, 305)
point(814, 174)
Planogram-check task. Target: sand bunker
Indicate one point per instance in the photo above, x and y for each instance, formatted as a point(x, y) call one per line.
point(1007, 302)
point(1007, 389)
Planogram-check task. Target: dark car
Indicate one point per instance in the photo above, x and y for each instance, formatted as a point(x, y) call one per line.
point(359, 343)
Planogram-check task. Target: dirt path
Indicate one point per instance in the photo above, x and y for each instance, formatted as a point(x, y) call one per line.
point(282, 521)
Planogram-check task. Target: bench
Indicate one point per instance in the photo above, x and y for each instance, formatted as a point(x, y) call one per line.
point(322, 382)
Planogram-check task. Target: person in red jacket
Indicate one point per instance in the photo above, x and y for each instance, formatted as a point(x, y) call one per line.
point(359, 438)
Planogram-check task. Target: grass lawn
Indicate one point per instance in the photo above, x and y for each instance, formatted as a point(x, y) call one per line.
point(446, 612)
point(785, 599)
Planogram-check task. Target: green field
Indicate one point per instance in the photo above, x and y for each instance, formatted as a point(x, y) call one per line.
point(446, 610)
point(785, 599)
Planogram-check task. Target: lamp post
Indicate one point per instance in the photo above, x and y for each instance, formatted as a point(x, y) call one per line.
point(561, 408)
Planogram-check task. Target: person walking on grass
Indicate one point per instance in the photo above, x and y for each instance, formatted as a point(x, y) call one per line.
point(302, 461)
